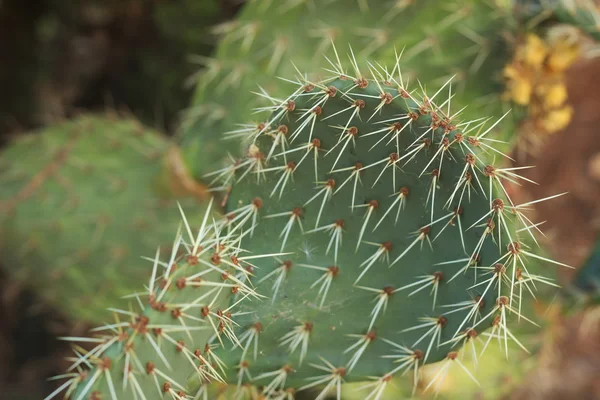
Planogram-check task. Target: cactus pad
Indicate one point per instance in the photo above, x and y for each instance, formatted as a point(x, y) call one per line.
point(463, 40)
point(366, 233)
point(80, 203)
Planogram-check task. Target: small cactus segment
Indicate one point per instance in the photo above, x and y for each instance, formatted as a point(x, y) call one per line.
point(462, 39)
point(365, 235)
point(61, 194)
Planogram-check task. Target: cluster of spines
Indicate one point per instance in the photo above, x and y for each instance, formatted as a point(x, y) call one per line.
point(260, 34)
point(218, 249)
point(496, 218)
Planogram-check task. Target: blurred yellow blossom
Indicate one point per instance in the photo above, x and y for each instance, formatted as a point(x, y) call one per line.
point(535, 78)
point(554, 95)
point(534, 52)
point(557, 119)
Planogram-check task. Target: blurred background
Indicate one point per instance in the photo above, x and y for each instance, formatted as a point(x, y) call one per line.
point(63, 58)
point(59, 58)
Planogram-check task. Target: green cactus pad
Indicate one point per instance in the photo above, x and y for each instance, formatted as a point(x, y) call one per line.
point(80, 202)
point(366, 234)
point(461, 39)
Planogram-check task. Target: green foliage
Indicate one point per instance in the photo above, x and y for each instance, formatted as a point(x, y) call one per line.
point(279, 292)
point(464, 39)
point(80, 202)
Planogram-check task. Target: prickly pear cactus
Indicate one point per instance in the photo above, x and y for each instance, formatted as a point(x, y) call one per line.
point(462, 39)
point(366, 233)
point(79, 203)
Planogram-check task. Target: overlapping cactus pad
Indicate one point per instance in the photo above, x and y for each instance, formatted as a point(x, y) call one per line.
point(79, 202)
point(367, 232)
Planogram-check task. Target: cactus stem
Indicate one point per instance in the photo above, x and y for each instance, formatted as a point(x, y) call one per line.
point(90, 383)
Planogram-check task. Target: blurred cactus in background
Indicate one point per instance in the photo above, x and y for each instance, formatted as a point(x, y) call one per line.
point(63, 191)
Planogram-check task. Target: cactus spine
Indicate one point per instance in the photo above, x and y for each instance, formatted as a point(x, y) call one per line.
point(293, 30)
point(462, 39)
point(366, 233)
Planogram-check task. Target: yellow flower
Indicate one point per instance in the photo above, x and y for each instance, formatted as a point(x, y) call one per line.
point(563, 54)
point(519, 87)
point(554, 95)
point(557, 120)
point(534, 52)
point(510, 72)
point(520, 90)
